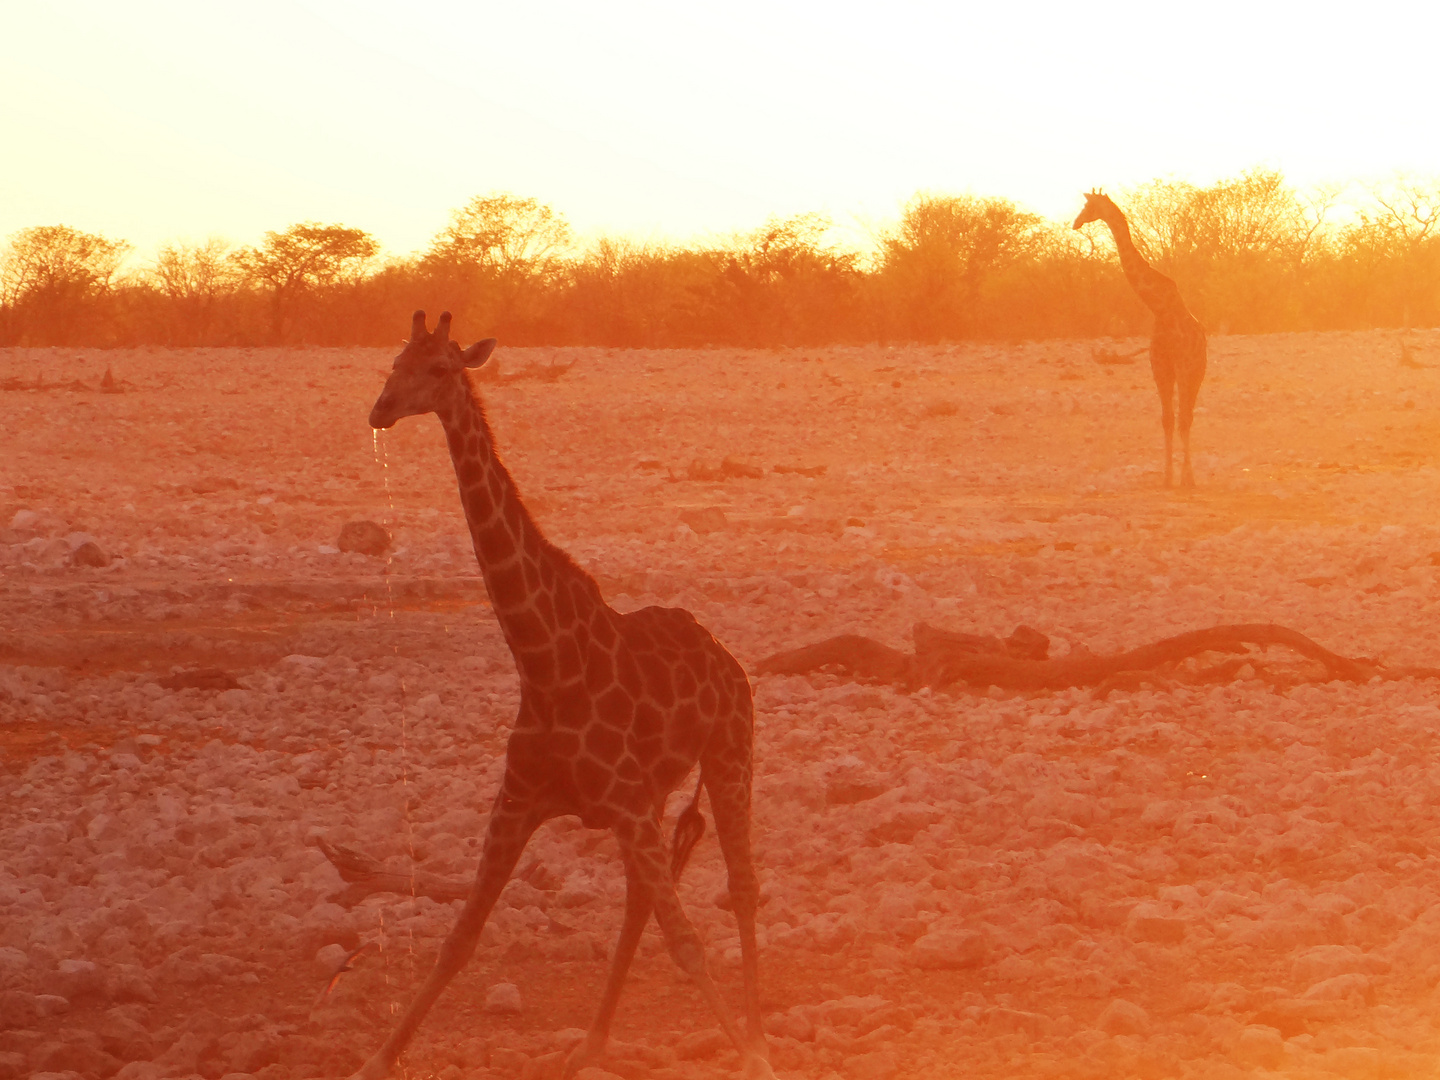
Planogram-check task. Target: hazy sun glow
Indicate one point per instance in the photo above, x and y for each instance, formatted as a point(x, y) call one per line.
point(158, 120)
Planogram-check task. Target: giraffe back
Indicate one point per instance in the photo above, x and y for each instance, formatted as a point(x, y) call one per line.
point(651, 699)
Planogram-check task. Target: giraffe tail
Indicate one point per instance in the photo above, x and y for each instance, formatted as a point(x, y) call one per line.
point(689, 827)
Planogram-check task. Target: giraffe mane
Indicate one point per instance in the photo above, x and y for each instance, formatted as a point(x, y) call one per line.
point(562, 556)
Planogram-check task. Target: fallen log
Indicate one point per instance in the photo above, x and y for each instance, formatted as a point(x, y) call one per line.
point(364, 874)
point(867, 658)
point(943, 658)
point(863, 657)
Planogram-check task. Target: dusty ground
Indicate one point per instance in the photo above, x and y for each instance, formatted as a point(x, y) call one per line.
point(1170, 881)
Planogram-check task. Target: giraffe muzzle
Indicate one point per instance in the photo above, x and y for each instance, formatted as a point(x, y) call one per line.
point(383, 414)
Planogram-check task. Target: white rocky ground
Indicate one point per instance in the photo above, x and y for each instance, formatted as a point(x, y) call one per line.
point(1168, 881)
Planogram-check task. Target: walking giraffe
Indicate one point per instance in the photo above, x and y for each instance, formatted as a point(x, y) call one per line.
point(615, 710)
point(1177, 343)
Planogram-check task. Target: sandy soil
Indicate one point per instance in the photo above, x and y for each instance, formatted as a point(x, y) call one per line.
point(1168, 881)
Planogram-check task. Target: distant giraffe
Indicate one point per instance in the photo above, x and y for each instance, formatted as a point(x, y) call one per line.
point(1177, 344)
point(615, 710)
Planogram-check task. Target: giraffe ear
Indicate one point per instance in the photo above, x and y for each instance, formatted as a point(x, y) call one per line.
point(478, 353)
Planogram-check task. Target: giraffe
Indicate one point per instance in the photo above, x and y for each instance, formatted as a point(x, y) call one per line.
point(615, 710)
point(1177, 343)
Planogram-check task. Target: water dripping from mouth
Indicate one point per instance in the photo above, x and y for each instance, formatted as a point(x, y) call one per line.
point(383, 460)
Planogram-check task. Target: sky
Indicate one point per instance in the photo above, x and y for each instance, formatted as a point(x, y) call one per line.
point(159, 121)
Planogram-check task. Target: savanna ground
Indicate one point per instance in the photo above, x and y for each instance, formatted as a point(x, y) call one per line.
point(1172, 879)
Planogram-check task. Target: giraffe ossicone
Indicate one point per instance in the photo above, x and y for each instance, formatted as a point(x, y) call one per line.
point(615, 711)
point(1177, 342)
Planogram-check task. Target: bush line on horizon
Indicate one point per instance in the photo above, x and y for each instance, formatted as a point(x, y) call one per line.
point(1250, 253)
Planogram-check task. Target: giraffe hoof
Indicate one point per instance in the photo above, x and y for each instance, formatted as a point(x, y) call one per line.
point(587, 1050)
point(374, 1069)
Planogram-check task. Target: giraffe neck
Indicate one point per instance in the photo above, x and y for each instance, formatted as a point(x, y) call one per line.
point(1156, 291)
point(538, 593)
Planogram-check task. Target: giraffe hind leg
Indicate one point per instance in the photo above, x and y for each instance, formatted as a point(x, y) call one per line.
point(639, 903)
point(730, 805)
point(642, 842)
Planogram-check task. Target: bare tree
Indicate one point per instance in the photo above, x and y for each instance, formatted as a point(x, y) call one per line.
point(497, 262)
point(1238, 247)
point(193, 278)
point(302, 260)
point(935, 264)
point(1394, 241)
point(503, 233)
point(51, 279)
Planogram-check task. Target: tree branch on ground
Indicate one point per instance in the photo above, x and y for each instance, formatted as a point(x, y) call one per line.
point(1022, 663)
point(365, 874)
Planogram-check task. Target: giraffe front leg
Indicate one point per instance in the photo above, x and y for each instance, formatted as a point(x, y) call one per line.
point(1167, 421)
point(511, 825)
point(1164, 371)
point(638, 906)
point(1189, 391)
point(645, 848)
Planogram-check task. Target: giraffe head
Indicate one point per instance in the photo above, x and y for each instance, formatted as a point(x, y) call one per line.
point(427, 373)
point(1098, 207)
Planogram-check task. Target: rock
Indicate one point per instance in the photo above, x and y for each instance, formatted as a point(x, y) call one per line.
point(950, 950)
point(1340, 988)
point(702, 1044)
point(51, 1004)
point(503, 999)
point(900, 825)
point(710, 519)
point(365, 537)
point(89, 553)
point(508, 1061)
point(13, 1066)
point(328, 959)
point(573, 947)
point(74, 1055)
point(24, 520)
point(19, 1007)
point(79, 980)
point(183, 1057)
point(577, 892)
point(847, 788)
point(124, 1036)
point(1123, 1017)
point(14, 965)
point(1260, 1047)
point(251, 1051)
point(1017, 1022)
point(880, 1065)
point(129, 982)
point(1294, 1016)
point(886, 1015)
point(473, 1053)
point(1157, 928)
point(1322, 962)
point(795, 1024)
point(200, 679)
